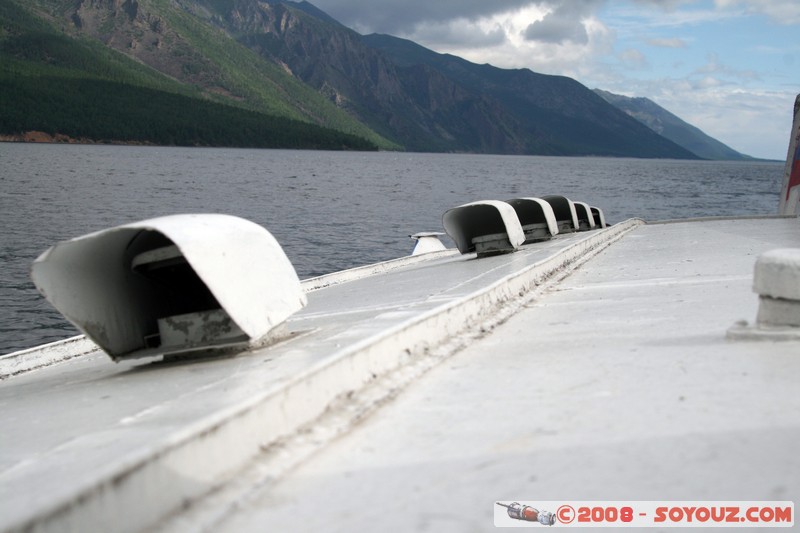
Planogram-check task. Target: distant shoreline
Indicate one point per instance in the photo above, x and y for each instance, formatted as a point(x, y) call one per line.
point(40, 137)
point(60, 138)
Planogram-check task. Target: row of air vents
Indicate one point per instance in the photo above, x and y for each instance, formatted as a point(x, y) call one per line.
point(185, 283)
point(493, 227)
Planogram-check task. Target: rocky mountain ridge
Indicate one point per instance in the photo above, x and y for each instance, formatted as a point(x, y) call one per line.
point(292, 60)
point(672, 127)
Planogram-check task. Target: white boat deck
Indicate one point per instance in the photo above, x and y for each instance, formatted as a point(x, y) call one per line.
point(414, 399)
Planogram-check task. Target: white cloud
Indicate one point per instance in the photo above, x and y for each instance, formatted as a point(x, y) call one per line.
point(635, 18)
point(706, 82)
point(755, 122)
point(781, 11)
point(673, 42)
point(633, 58)
point(714, 66)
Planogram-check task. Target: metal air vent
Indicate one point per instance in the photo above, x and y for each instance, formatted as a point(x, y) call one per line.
point(172, 285)
point(599, 217)
point(536, 217)
point(585, 218)
point(565, 213)
point(487, 227)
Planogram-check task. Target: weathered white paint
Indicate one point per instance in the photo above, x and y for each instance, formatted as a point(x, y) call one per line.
point(616, 384)
point(485, 226)
point(172, 433)
point(90, 279)
point(44, 355)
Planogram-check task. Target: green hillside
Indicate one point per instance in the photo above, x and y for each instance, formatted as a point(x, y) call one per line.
point(109, 111)
point(77, 86)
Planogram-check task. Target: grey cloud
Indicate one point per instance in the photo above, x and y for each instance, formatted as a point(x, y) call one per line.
point(462, 36)
point(557, 30)
point(564, 23)
point(403, 16)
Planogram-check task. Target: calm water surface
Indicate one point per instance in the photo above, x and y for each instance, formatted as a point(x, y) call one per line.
point(329, 210)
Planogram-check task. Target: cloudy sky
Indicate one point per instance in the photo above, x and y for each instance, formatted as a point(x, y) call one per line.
point(729, 67)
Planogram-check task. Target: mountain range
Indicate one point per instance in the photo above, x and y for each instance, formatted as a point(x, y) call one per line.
point(672, 127)
point(280, 73)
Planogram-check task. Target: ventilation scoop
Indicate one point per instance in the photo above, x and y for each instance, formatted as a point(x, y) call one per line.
point(172, 285)
point(488, 227)
point(537, 218)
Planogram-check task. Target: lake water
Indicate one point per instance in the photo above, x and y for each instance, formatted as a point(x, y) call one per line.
point(329, 210)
